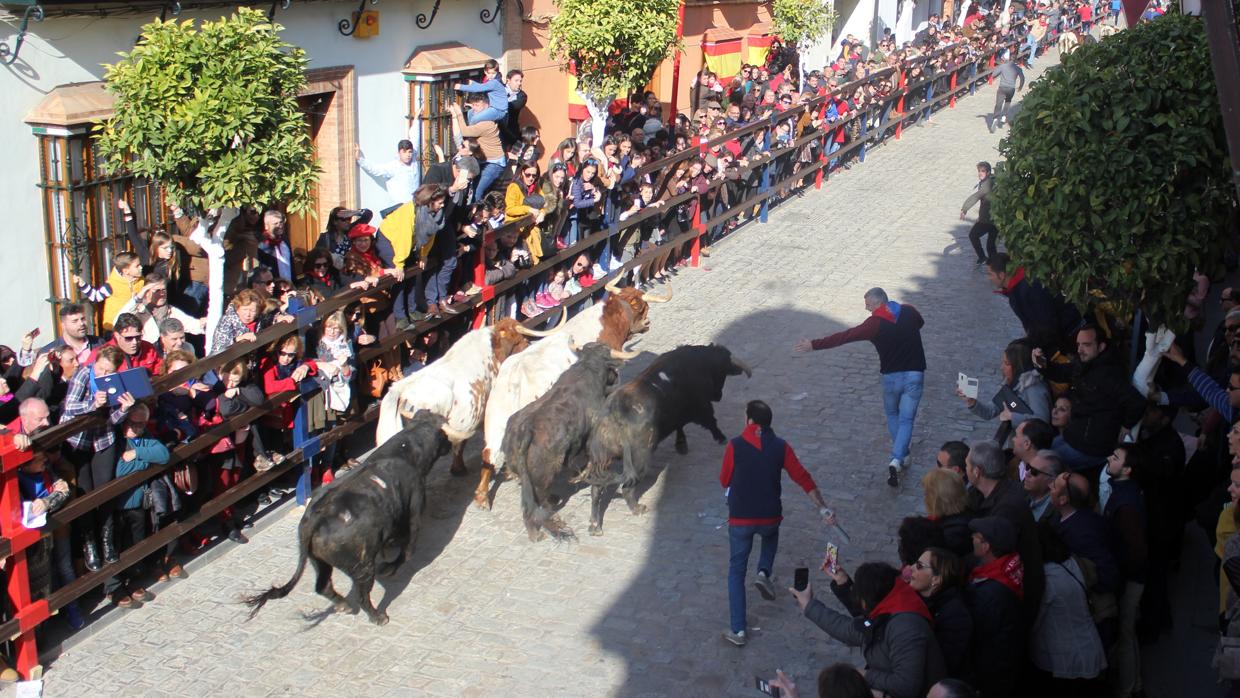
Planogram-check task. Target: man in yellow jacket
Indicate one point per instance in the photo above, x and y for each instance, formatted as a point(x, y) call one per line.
point(406, 239)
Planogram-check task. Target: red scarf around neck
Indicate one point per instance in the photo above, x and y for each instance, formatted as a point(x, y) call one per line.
point(901, 599)
point(1007, 570)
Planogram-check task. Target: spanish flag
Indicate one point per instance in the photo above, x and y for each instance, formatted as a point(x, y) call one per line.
point(577, 110)
point(758, 43)
point(722, 49)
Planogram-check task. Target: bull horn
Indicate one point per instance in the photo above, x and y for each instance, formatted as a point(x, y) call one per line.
point(624, 355)
point(611, 286)
point(545, 333)
point(744, 367)
point(652, 298)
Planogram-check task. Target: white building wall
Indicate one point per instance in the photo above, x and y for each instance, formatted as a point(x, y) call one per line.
point(65, 50)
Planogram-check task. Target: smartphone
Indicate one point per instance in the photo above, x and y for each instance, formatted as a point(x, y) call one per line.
point(765, 686)
point(800, 578)
point(832, 561)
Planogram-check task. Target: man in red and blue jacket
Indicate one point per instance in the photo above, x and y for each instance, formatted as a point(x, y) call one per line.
point(753, 465)
point(895, 331)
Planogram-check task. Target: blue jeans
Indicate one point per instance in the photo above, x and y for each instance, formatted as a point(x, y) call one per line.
point(438, 280)
point(740, 542)
point(1075, 460)
point(488, 114)
point(901, 396)
point(491, 170)
point(405, 295)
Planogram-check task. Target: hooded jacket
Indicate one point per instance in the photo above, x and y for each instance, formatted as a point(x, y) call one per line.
point(895, 332)
point(902, 655)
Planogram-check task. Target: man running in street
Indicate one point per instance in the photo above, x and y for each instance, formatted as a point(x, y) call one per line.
point(1011, 81)
point(895, 331)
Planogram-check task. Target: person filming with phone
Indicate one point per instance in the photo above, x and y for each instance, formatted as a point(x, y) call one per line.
point(753, 464)
point(889, 620)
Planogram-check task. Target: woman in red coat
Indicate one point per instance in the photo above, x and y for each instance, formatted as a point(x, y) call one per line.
point(281, 371)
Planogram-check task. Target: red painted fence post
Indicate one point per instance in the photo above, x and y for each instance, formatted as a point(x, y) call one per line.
point(822, 150)
point(951, 104)
point(991, 65)
point(29, 615)
point(480, 280)
point(900, 105)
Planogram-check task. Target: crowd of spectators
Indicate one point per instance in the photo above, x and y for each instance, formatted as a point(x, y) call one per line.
point(1041, 563)
point(221, 278)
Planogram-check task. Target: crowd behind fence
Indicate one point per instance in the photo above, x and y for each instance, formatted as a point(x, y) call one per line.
point(790, 149)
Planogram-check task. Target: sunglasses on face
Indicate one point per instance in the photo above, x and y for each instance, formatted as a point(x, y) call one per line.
point(130, 337)
point(1031, 471)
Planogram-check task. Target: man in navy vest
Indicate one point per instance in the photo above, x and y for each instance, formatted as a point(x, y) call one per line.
point(753, 465)
point(895, 332)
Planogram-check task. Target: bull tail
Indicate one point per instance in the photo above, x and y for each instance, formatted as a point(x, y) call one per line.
point(535, 514)
point(257, 601)
point(629, 467)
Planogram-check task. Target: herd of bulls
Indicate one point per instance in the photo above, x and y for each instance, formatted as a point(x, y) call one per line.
point(540, 405)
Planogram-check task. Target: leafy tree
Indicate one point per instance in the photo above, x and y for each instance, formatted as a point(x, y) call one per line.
point(212, 113)
point(1116, 181)
point(801, 23)
point(614, 45)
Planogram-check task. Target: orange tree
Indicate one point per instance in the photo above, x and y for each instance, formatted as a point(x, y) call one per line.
point(614, 46)
point(1116, 180)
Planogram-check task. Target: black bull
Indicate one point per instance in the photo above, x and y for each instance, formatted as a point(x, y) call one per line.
point(678, 388)
point(542, 437)
point(366, 524)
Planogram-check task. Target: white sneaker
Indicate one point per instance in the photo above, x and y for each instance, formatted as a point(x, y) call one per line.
point(893, 472)
point(897, 464)
point(908, 461)
point(765, 586)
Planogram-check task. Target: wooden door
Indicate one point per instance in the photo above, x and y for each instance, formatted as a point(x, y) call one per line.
point(304, 228)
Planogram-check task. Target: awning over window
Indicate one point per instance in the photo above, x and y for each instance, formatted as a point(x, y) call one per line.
point(75, 106)
point(436, 60)
point(758, 43)
point(722, 49)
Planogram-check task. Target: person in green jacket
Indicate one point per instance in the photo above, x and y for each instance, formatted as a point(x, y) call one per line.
point(139, 451)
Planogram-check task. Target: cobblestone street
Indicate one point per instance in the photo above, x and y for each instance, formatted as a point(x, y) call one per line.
point(638, 612)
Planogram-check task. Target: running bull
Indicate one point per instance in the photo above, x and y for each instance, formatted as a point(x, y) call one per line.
point(546, 434)
point(366, 524)
point(526, 376)
point(456, 386)
point(676, 389)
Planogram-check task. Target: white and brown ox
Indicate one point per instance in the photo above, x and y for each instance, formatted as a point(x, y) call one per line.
point(455, 386)
point(526, 377)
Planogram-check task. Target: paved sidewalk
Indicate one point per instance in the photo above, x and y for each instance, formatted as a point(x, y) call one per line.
point(638, 612)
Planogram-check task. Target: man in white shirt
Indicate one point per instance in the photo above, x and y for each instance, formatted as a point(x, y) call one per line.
point(400, 176)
